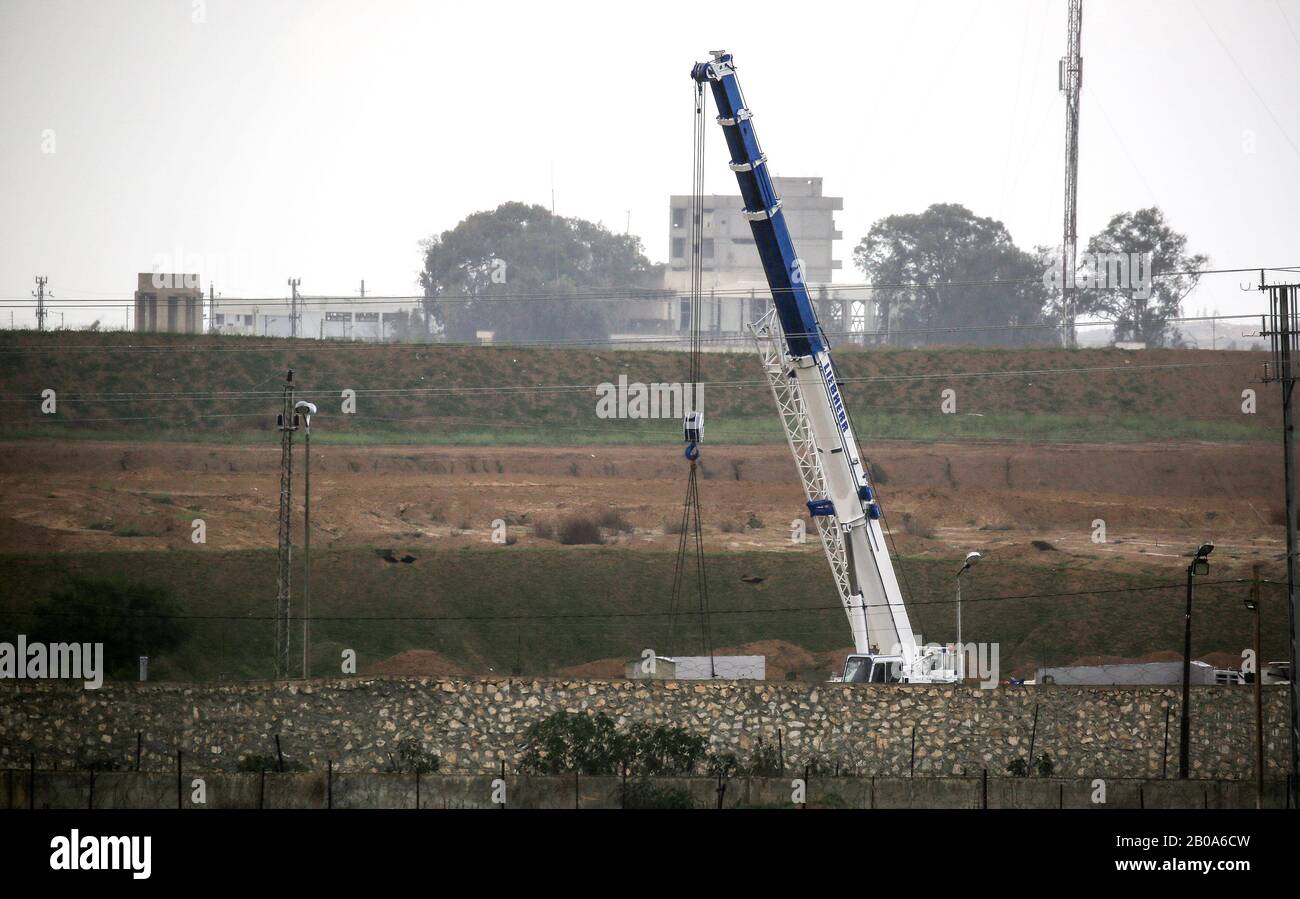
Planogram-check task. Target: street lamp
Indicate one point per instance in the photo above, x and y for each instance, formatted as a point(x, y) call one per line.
point(1252, 605)
point(306, 410)
point(971, 559)
point(1199, 567)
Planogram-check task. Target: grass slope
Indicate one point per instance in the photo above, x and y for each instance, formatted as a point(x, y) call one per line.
point(200, 387)
point(553, 607)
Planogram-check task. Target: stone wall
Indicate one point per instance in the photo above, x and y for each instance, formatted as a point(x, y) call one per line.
point(476, 724)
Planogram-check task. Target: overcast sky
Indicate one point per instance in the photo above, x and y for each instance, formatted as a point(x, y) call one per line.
point(324, 140)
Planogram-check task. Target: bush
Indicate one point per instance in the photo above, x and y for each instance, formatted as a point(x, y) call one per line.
point(413, 758)
point(544, 530)
point(579, 529)
point(764, 761)
point(592, 745)
point(613, 520)
point(647, 794)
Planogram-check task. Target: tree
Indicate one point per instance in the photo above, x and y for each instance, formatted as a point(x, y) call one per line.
point(1143, 313)
point(931, 270)
point(487, 272)
point(130, 620)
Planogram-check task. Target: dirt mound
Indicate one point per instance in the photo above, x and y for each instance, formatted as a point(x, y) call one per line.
point(418, 662)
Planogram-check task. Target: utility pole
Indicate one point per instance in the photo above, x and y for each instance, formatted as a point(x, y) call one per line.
point(1070, 81)
point(212, 309)
point(287, 422)
point(39, 293)
point(1253, 605)
point(1283, 332)
point(303, 411)
point(1200, 565)
point(293, 307)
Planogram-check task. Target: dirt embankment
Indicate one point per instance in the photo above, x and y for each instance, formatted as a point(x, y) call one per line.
point(1153, 498)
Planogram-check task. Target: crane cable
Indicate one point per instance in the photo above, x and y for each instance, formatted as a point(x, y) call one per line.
point(692, 526)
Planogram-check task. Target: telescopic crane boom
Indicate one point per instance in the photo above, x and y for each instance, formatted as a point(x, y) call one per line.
point(796, 357)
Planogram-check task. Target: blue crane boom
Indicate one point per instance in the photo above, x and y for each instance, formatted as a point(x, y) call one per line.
point(763, 208)
point(801, 374)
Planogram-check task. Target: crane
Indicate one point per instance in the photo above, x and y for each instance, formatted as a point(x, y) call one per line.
point(796, 358)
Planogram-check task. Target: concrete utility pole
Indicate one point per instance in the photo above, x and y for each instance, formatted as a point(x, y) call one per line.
point(287, 422)
point(212, 308)
point(39, 293)
point(303, 411)
point(1283, 331)
point(1253, 605)
point(1070, 81)
point(293, 307)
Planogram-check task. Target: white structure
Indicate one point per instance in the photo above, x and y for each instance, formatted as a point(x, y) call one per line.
point(726, 667)
point(320, 318)
point(1127, 674)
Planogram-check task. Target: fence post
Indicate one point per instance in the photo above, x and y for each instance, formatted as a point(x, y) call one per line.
point(279, 756)
point(804, 804)
point(780, 750)
point(984, 787)
point(329, 783)
point(31, 786)
point(1033, 736)
point(1164, 749)
point(90, 800)
point(417, 787)
point(911, 771)
point(179, 791)
point(261, 791)
point(139, 747)
point(503, 777)
point(576, 795)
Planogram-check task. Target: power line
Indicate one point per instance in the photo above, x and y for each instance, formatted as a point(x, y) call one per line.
point(644, 344)
point(647, 294)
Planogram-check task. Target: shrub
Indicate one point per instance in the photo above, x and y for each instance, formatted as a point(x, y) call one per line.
point(579, 529)
point(613, 520)
point(764, 761)
point(413, 758)
point(544, 529)
point(592, 745)
point(647, 794)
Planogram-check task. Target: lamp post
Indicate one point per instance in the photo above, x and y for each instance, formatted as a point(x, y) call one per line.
point(1252, 604)
point(306, 410)
point(971, 559)
point(1200, 566)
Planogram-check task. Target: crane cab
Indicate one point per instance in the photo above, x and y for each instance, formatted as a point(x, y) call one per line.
point(872, 669)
